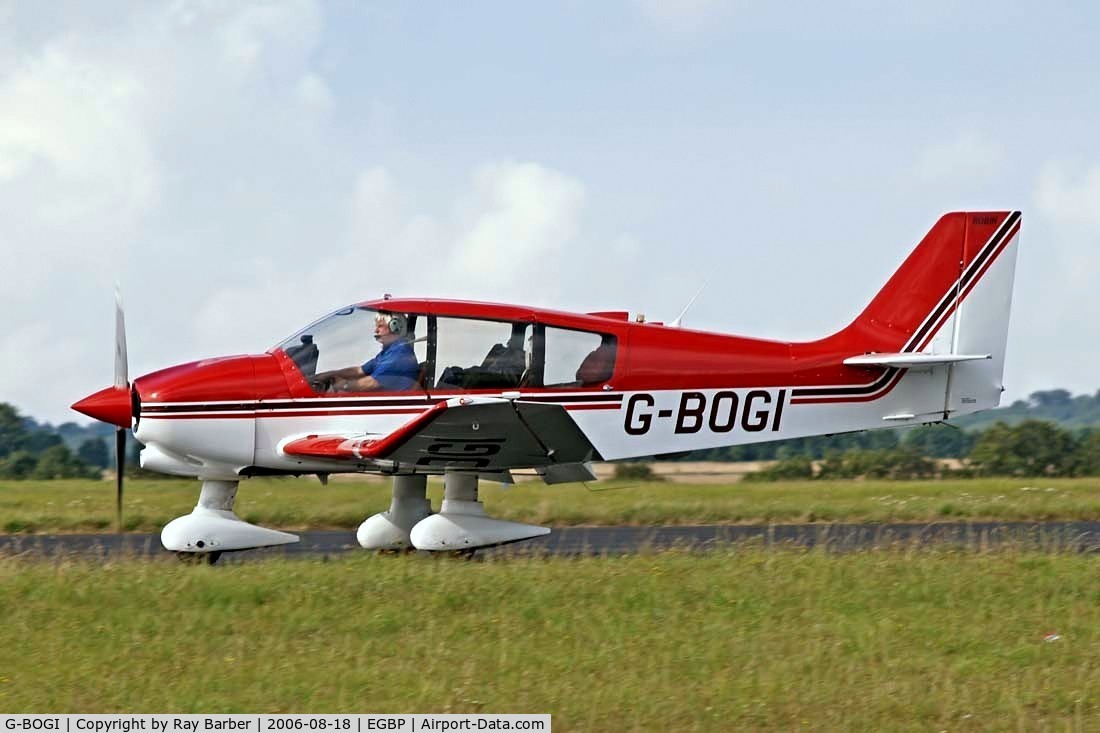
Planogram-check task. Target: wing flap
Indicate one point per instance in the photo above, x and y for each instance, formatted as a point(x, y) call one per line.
point(497, 434)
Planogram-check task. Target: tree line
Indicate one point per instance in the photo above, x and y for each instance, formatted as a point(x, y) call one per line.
point(1032, 448)
point(32, 451)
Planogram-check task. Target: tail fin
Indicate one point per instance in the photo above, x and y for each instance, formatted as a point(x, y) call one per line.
point(950, 298)
point(914, 310)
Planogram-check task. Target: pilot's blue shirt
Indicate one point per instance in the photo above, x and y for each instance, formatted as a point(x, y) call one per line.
point(395, 368)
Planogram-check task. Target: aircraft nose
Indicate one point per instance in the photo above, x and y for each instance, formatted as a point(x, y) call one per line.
point(111, 405)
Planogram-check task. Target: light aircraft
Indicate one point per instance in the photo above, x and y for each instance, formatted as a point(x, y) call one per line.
point(485, 389)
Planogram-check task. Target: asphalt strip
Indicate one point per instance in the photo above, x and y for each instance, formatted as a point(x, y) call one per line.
point(597, 541)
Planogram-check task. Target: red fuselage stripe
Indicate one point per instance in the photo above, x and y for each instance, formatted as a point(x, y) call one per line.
point(261, 415)
point(265, 415)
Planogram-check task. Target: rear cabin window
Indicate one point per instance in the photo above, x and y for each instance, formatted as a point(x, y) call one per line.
point(577, 358)
point(473, 354)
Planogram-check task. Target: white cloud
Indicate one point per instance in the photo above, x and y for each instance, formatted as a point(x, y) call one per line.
point(1055, 308)
point(1070, 200)
point(526, 217)
point(37, 347)
point(258, 38)
point(144, 141)
point(968, 158)
point(505, 235)
point(77, 168)
point(314, 93)
point(682, 17)
point(1071, 206)
point(511, 224)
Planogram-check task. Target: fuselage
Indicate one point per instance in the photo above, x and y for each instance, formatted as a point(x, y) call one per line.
point(665, 389)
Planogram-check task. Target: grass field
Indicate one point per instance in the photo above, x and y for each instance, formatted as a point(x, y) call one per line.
point(69, 506)
point(875, 640)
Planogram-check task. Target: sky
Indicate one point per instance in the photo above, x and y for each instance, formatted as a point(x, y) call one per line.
point(242, 168)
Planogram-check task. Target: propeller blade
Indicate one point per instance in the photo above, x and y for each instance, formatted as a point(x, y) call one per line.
point(121, 368)
point(120, 470)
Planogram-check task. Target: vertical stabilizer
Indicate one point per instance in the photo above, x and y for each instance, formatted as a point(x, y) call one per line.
point(929, 328)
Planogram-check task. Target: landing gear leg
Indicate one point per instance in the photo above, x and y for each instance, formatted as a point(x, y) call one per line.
point(389, 530)
point(462, 525)
point(212, 528)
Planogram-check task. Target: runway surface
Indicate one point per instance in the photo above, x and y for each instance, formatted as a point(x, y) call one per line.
point(574, 541)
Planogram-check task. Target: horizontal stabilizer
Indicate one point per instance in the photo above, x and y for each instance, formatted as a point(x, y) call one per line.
point(911, 360)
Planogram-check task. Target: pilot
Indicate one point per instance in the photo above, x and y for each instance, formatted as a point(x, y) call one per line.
point(394, 369)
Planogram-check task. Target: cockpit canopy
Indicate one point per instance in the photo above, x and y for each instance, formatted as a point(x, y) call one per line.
point(430, 353)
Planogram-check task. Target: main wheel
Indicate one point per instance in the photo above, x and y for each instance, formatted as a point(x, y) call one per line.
point(199, 558)
point(396, 553)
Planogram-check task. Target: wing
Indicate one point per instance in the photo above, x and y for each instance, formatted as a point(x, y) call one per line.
point(465, 433)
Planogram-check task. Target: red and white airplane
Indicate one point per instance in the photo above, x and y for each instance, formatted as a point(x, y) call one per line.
point(471, 391)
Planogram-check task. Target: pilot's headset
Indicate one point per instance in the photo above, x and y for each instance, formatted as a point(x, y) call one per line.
point(397, 323)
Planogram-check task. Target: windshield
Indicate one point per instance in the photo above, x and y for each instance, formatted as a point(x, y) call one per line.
point(356, 350)
point(354, 342)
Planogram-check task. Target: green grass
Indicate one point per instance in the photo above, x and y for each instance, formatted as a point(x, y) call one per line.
point(752, 639)
point(71, 506)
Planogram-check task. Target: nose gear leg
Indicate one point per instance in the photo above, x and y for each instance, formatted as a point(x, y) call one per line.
point(212, 527)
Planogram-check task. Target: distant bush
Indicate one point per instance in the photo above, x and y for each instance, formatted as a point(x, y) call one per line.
point(885, 463)
point(59, 462)
point(788, 469)
point(30, 451)
point(1087, 458)
point(896, 463)
point(636, 472)
point(94, 452)
point(1031, 448)
point(17, 465)
point(939, 441)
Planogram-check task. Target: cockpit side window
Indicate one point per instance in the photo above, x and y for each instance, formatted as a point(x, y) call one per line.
point(338, 353)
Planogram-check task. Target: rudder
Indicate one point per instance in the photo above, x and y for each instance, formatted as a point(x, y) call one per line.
point(981, 315)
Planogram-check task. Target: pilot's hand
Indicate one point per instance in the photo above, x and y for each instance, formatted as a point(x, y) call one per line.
point(321, 383)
